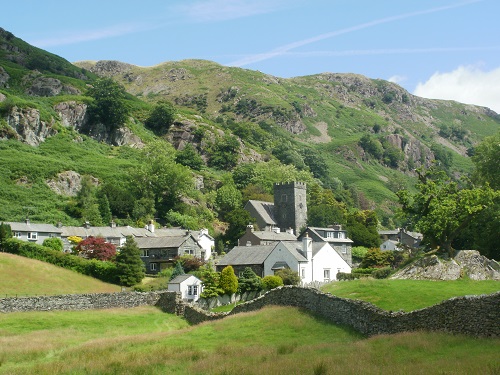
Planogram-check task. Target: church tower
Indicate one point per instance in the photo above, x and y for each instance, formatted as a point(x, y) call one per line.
point(290, 207)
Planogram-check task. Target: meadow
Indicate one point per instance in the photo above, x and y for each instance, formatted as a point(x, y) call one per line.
point(275, 340)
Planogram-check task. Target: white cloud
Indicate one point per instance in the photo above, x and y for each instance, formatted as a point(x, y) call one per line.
point(466, 84)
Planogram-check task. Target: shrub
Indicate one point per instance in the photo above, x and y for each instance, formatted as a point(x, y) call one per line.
point(53, 243)
point(96, 248)
point(5, 234)
point(288, 276)
point(271, 281)
point(161, 117)
point(382, 273)
point(228, 281)
point(347, 276)
point(249, 281)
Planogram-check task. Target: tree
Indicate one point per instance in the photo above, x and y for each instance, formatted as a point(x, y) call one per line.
point(288, 276)
point(108, 106)
point(228, 281)
point(223, 154)
point(362, 228)
point(129, 265)
point(161, 117)
point(210, 280)
point(54, 243)
point(249, 281)
point(5, 234)
point(96, 248)
point(189, 157)
point(487, 161)
point(323, 209)
point(238, 220)
point(441, 209)
point(178, 270)
point(228, 199)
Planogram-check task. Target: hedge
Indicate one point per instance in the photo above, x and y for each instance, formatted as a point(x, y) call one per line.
point(105, 271)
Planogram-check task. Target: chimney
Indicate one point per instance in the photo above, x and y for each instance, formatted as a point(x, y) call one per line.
point(250, 228)
point(276, 230)
point(290, 231)
point(27, 220)
point(86, 225)
point(307, 246)
point(151, 226)
point(112, 224)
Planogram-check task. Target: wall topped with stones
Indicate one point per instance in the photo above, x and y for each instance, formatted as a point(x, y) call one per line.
point(469, 315)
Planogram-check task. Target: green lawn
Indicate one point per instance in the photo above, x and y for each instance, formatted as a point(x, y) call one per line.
point(275, 340)
point(408, 295)
point(24, 276)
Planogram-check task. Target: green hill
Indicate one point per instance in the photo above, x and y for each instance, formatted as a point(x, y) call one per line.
point(24, 276)
point(360, 138)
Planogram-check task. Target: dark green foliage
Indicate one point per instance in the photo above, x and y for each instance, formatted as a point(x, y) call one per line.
point(129, 266)
point(443, 156)
point(54, 243)
point(161, 118)
point(223, 153)
point(228, 281)
point(288, 276)
point(249, 281)
point(108, 106)
point(189, 263)
point(238, 220)
point(372, 146)
point(210, 280)
point(271, 281)
point(178, 270)
point(105, 271)
point(189, 157)
point(5, 234)
point(487, 161)
point(382, 273)
point(323, 209)
point(389, 97)
point(362, 228)
point(376, 258)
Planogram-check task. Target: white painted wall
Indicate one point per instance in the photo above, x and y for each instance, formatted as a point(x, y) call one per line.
point(327, 259)
point(280, 254)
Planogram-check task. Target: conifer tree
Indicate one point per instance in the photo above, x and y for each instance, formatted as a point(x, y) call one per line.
point(178, 270)
point(228, 281)
point(130, 267)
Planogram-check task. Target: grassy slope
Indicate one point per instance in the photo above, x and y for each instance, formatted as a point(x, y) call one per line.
point(409, 295)
point(24, 276)
point(287, 341)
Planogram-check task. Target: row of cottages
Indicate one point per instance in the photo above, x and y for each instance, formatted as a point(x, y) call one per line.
point(158, 246)
point(317, 254)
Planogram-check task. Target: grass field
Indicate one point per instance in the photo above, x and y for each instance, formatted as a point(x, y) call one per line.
point(408, 295)
point(24, 276)
point(275, 340)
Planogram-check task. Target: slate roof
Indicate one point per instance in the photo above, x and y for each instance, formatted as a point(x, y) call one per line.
point(316, 230)
point(273, 236)
point(160, 242)
point(181, 278)
point(264, 209)
point(33, 227)
point(296, 249)
point(242, 255)
point(106, 232)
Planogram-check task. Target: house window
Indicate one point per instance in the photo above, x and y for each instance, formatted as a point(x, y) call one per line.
point(326, 274)
point(32, 236)
point(145, 253)
point(303, 273)
point(153, 266)
point(192, 290)
point(188, 250)
point(283, 197)
point(344, 249)
point(17, 234)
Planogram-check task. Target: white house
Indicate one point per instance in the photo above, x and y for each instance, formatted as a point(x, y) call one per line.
point(390, 245)
point(313, 261)
point(33, 232)
point(189, 286)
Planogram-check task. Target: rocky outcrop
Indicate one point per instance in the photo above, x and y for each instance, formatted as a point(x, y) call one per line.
point(29, 126)
point(414, 151)
point(72, 114)
point(467, 263)
point(117, 136)
point(4, 78)
point(47, 86)
point(109, 68)
point(68, 183)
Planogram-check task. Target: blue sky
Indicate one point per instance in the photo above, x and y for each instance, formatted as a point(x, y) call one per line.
point(447, 49)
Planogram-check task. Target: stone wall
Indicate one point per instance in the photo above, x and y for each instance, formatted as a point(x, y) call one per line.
point(88, 301)
point(470, 315)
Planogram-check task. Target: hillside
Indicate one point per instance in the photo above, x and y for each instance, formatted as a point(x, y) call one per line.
point(24, 276)
point(358, 137)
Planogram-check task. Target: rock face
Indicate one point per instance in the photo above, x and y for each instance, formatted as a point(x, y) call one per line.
point(28, 125)
point(68, 183)
point(467, 263)
point(4, 78)
point(47, 86)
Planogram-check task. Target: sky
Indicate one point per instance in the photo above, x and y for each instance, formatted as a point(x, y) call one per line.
point(441, 49)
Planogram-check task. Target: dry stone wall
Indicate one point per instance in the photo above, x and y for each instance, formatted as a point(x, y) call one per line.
point(469, 315)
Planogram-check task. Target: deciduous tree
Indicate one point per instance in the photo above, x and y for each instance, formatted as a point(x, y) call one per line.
point(108, 106)
point(96, 248)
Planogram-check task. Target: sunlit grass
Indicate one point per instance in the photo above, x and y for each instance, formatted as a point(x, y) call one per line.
point(275, 340)
point(20, 276)
point(408, 295)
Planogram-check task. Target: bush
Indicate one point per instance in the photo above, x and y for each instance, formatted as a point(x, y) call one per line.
point(289, 277)
point(347, 276)
point(54, 243)
point(382, 273)
point(249, 281)
point(228, 281)
point(271, 281)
